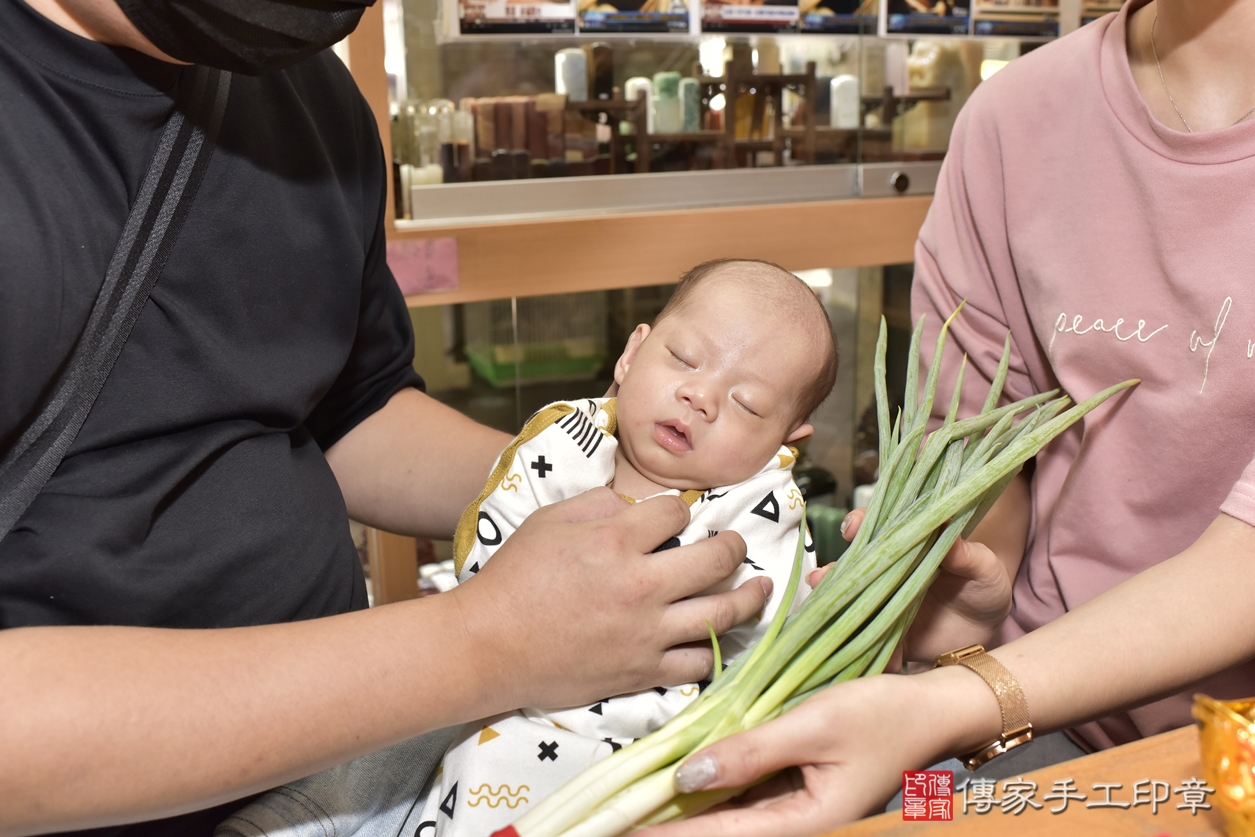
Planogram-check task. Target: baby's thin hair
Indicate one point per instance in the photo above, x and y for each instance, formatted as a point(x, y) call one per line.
point(751, 274)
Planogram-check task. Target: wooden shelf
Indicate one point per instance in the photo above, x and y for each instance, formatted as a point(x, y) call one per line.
point(605, 105)
point(530, 258)
point(891, 105)
point(825, 134)
point(755, 144)
point(987, 10)
point(687, 136)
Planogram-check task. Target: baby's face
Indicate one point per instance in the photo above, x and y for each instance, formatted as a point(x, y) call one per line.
point(708, 396)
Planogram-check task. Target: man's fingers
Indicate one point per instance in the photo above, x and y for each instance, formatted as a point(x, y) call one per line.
point(685, 664)
point(688, 570)
point(595, 504)
point(653, 521)
point(691, 620)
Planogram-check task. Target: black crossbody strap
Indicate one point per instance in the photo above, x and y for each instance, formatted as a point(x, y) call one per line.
point(164, 200)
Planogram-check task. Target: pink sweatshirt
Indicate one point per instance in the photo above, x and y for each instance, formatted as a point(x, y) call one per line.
point(1111, 247)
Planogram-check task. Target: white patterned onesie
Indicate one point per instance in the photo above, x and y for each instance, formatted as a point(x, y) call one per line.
point(497, 767)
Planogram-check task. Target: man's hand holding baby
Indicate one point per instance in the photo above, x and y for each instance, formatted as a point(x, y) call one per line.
point(575, 607)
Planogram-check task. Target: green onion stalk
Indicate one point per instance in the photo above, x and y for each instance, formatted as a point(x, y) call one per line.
point(933, 489)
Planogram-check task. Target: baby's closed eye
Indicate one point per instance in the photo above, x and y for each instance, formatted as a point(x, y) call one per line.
point(680, 358)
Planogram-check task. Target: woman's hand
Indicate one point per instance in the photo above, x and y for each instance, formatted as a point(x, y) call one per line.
point(852, 740)
point(971, 595)
point(965, 604)
point(1150, 636)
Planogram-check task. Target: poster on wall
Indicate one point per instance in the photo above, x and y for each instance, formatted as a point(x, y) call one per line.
point(604, 16)
point(848, 17)
point(924, 17)
point(513, 17)
point(1016, 18)
point(749, 15)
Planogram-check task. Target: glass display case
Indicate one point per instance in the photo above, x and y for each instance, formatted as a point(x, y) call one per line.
point(543, 95)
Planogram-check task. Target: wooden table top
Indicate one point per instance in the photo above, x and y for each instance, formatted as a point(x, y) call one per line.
point(1162, 764)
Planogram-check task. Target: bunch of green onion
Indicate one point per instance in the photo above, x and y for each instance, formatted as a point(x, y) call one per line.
point(930, 492)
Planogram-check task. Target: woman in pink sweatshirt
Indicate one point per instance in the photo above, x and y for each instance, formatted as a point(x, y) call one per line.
point(1098, 202)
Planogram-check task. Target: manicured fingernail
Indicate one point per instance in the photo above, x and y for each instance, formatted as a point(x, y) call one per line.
point(845, 524)
point(696, 773)
point(768, 589)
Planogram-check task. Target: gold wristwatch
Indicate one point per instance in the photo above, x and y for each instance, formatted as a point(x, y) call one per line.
point(1017, 729)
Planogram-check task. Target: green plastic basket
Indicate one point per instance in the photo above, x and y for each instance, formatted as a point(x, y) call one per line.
point(571, 359)
point(825, 525)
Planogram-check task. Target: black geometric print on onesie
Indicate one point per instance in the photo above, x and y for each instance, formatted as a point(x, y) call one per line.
point(582, 431)
point(614, 747)
point(710, 495)
point(487, 540)
point(450, 801)
point(702, 684)
point(424, 826)
point(541, 467)
point(671, 543)
point(751, 563)
point(768, 508)
point(548, 750)
point(474, 568)
point(596, 707)
point(662, 690)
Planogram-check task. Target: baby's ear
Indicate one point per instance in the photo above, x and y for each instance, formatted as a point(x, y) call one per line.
point(802, 431)
point(634, 342)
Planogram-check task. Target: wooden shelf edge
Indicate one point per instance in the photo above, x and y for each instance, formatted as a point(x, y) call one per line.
point(530, 258)
point(393, 566)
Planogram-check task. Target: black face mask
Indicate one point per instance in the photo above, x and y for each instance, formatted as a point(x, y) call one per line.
point(244, 36)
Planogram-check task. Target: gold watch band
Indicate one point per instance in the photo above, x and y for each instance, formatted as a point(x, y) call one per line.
point(1017, 729)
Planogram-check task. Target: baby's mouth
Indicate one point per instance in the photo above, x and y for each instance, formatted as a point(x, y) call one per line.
point(672, 436)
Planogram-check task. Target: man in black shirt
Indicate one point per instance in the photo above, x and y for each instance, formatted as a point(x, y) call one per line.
point(265, 391)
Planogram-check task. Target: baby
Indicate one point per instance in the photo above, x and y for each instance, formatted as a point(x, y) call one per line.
point(708, 400)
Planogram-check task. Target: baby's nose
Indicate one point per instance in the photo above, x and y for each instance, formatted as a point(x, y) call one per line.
point(700, 399)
